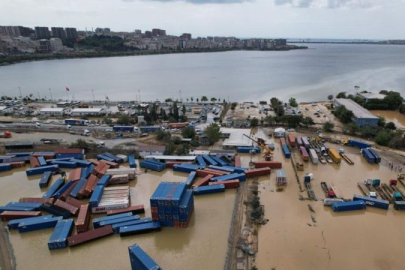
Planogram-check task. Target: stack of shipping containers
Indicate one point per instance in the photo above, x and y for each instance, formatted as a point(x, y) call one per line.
point(172, 204)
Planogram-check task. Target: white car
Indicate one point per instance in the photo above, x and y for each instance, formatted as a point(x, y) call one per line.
point(108, 130)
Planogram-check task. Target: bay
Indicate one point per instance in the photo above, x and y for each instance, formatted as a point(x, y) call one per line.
point(308, 75)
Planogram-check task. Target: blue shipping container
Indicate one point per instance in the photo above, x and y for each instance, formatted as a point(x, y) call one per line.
point(358, 144)
point(286, 151)
point(210, 160)
point(71, 155)
point(104, 180)
point(96, 196)
point(13, 224)
point(5, 167)
point(55, 186)
point(240, 176)
point(46, 177)
point(62, 231)
point(140, 228)
point(219, 161)
point(131, 161)
point(200, 161)
point(42, 161)
point(377, 158)
point(33, 225)
point(140, 260)
point(185, 168)
point(372, 202)
point(190, 179)
point(117, 220)
point(348, 206)
point(208, 189)
point(62, 189)
point(96, 221)
point(116, 227)
point(367, 155)
point(152, 166)
point(78, 187)
point(81, 163)
point(41, 170)
point(65, 164)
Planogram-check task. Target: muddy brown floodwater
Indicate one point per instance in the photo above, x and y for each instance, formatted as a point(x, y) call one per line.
point(201, 246)
point(369, 239)
point(392, 116)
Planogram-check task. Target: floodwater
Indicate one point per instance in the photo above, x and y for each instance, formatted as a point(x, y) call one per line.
point(369, 239)
point(392, 116)
point(308, 75)
point(201, 246)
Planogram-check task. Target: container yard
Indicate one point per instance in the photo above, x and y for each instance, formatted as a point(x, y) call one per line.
point(311, 237)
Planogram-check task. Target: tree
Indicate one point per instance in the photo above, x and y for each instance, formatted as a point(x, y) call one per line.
point(328, 126)
point(182, 150)
point(192, 99)
point(390, 126)
point(176, 140)
point(168, 100)
point(393, 100)
point(233, 105)
point(344, 115)
point(383, 138)
point(123, 120)
point(204, 98)
point(213, 133)
point(197, 99)
point(396, 142)
point(162, 135)
point(183, 109)
point(352, 128)
point(381, 121)
point(108, 120)
point(269, 120)
point(80, 143)
point(308, 121)
point(293, 102)
point(330, 97)
point(341, 95)
point(170, 148)
point(384, 92)
point(195, 142)
point(213, 99)
point(254, 122)
point(188, 132)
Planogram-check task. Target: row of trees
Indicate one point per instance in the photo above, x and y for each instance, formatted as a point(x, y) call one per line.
point(392, 100)
point(203, 99)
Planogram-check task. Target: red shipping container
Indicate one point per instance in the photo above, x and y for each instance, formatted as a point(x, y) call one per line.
point(66, 194)
point(203, 173)
point(83, 220)
point(136, 209)
point(72, 209)
point(203, 182)
point(291, 140)
point(258, 172)
point(94, 161)
point(98, 168)
point(269, 164)
point(103, 170)
point(75, 174)
point(89, 235)
point(34, 162)
point(10, 215)
point(112, 164)
point(238, 162)
point(74, 202)
point(176, 224)
point(37, 200)
point(90, 185)
point(16, 165)
point(227, 184)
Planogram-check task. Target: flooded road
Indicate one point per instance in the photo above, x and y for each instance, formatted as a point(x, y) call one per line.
point(201, 246)
point(368, 239)
point(392, 116)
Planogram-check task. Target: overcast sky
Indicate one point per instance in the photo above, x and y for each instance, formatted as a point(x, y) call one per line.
point(364, 19)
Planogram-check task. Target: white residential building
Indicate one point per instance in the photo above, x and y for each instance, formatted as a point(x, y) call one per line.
point(56, 45)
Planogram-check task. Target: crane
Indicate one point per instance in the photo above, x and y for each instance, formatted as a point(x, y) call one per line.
point(261, 144)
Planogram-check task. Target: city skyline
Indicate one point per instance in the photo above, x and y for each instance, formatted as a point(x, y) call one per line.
point(374, 19)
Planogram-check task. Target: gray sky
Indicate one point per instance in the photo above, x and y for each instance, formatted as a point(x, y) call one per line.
point(364, 19)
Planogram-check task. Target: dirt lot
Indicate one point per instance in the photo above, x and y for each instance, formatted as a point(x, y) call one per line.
point(309, 110)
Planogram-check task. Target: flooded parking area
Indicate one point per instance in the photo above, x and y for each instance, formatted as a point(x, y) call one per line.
point(297, 238)
point(202, 245)
point(392, 116)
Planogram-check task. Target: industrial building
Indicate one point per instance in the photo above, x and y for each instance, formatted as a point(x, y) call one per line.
point(362, 116)
point(371, 96)
point(88, 111)
point(52, 111)
point(151, 150)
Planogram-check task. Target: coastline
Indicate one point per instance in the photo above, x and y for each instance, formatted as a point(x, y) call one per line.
point(15, 59)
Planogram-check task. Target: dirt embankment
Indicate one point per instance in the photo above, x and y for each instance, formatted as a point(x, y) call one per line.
point(7, 261)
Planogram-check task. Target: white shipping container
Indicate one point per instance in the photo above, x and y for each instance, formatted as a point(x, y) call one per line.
point(119, 179)
point(129, 171)
point(314, 156)
point(124, 157)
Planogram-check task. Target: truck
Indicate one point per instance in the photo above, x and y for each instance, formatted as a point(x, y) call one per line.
point(358, 144)
point(149, 129)
point(178, 125)
point(76, 122)
point(304, 154)
point(86, 132)
point(399, 203)
point(6, 134)
point(334, 155)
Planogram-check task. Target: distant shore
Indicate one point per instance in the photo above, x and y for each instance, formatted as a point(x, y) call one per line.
point(15, 59)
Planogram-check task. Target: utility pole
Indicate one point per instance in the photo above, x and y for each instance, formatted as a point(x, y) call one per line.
point(19, 89)
point(139, 92)
point(50, 92)
point(180, 96)
point(92, 90)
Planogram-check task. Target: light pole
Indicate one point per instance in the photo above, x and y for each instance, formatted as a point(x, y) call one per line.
point(19, 89)
point(92, 90)
point(180, 96)
point(139, 92)
point(50, 92)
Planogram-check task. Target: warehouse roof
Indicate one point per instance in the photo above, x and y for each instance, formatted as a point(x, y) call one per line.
point(371, 95)
point(180, 158)
point(152, 148)
point(236, 137)
point(52, 109)
point(87, 110)
point(358, 111)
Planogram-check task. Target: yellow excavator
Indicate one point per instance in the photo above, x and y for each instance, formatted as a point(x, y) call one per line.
point(262, 144)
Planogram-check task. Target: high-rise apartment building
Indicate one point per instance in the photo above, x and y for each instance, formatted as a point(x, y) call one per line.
point(42, 32)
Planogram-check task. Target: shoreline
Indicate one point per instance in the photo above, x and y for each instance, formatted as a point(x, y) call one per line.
point(41, 57)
